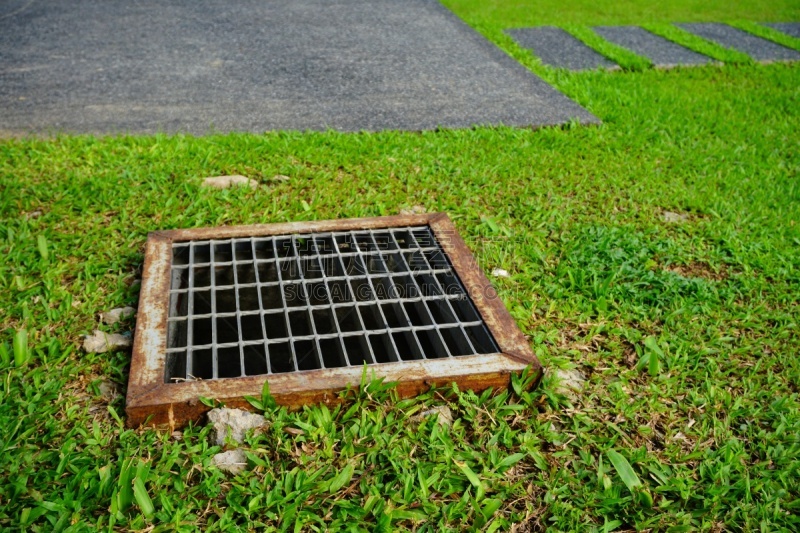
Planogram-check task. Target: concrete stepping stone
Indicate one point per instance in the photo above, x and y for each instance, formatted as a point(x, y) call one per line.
point(791, 29)
point(730, 37)
point(660, 51)
point(557, 48)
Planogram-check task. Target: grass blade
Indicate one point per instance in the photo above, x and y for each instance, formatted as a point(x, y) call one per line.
point(624, 469)
point(409, 514)
point(510, 461)
point(142, 498)
point(267, 401)
point(653, 364)
point(124, 492)
point(473, 479)
point(41, 244)
point(490, 507)
point(471, 476)
point(5, 354)
point(656, 354)
point(342, 478)
point(21, 353)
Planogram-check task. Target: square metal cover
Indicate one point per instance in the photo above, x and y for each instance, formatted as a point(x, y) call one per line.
point(305, 306)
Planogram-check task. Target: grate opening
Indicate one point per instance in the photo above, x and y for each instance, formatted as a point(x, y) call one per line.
point(291, 303)
point(202, 365)
point(255, 360)
point(280, 358)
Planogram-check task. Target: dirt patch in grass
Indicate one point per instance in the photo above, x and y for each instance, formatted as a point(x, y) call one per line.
point(699, 269)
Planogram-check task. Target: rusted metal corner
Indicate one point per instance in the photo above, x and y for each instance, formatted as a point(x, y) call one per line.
point(484, 296)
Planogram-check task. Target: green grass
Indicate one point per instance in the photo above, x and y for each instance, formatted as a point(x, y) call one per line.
point(686, 332)
point(599, 12)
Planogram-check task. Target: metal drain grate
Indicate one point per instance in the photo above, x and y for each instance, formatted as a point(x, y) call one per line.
point(306, 306)
point(254, 306)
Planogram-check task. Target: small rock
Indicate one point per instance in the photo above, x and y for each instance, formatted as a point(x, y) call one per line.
point(34, 214)
point(100, 342)
point(443, 415)
point(177, 435)
point(107, 389)
point(415, 210)
point(500, 273)
point(569, 382)
point(233, 461)
point(224, 182)
point(233, 422)
point(115, 315)
point(669, 216)
point(281, 177)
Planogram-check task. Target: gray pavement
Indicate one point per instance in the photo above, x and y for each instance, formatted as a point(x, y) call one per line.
point(557, 48)
point(789, 28)
point(142, 66)
point(660, 51)
point(730, 37)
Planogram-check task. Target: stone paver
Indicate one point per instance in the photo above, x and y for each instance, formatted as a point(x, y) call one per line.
point(789, 28)
point(730, 37)
point(106, 66)
point(660, 51)
point(558, 48)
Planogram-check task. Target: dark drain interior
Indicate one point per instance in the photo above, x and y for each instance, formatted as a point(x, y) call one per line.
point(269, 305)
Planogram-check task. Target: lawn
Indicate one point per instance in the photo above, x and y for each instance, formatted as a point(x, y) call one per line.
point(686, 331)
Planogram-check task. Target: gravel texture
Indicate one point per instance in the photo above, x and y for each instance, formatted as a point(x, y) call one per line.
point(117, 315)
point(232, 461)
point(444, 415)
point(559, 49)
point(226, 182)
point(660, 51)
point(730, 37)
point(101, 342)
point(569, 382)
point(674, 218)
point(233, 424)
point(789, 28)
point(106, 66)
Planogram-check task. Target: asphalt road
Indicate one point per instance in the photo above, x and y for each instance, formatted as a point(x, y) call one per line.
point(145, 66)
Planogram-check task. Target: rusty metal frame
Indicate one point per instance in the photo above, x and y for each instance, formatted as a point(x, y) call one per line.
point(150, 400)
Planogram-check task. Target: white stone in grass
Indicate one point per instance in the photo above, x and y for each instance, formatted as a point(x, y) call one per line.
point(225, 182)
point(233, 461)
point(443, 415)
point(500, 273)
point(233, 422)
point(414, 210)
point(281, 178)
point(669, 216)
point(101, 342)
point(115, 315)
point(569, 382)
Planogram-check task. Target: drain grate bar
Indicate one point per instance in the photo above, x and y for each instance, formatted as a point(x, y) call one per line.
point(313, 301)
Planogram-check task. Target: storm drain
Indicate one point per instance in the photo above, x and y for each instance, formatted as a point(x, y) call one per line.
point(306, 307)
